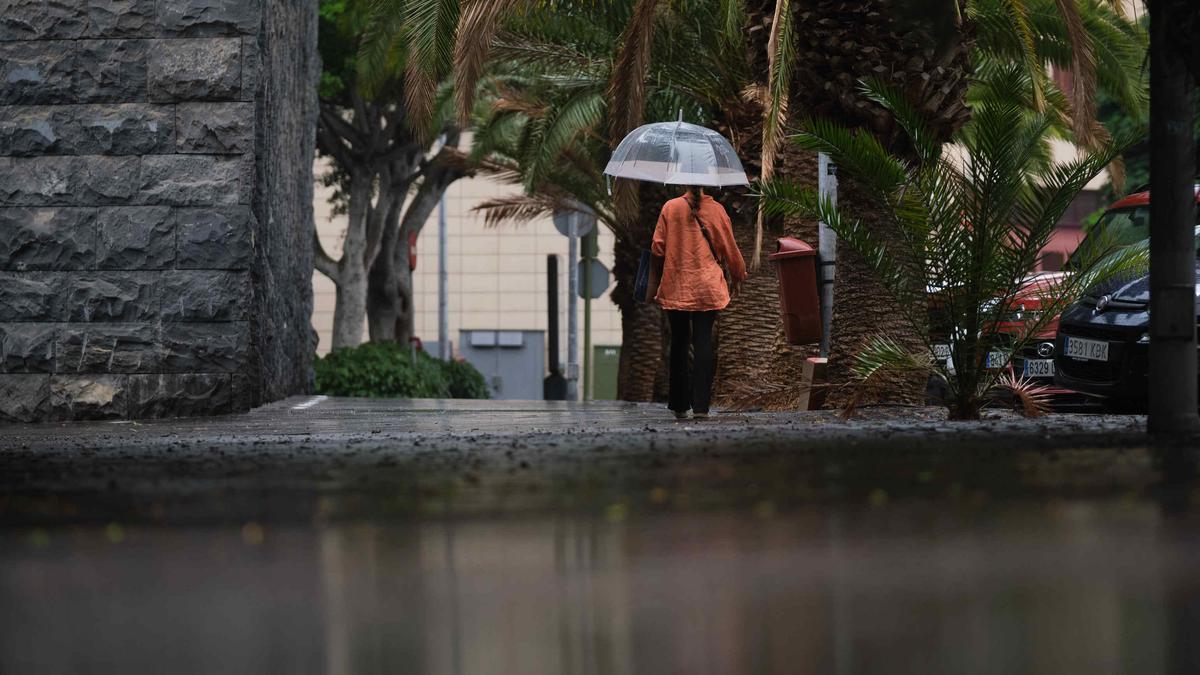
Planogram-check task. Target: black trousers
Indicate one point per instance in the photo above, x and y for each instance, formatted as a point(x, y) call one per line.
point(691, 387)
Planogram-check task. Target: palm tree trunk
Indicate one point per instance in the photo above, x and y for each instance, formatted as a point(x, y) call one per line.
point(641, 328)
point(756, 367)
point(863, 309)
point(839, 43)
point(922, 53)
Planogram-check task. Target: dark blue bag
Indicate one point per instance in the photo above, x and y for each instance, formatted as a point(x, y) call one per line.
point(649, 274)
point(642, 280)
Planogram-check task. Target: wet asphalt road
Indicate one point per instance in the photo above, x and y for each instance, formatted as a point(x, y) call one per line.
point(335, 536)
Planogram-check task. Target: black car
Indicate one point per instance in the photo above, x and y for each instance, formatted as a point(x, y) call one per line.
point(1103, 345)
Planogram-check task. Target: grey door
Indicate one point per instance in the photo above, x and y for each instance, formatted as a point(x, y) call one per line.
point(512, 361)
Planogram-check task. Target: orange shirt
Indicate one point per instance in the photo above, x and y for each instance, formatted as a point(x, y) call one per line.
point(691, 278)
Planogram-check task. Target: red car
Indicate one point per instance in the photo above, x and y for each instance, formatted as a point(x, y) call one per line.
point(1036, 360)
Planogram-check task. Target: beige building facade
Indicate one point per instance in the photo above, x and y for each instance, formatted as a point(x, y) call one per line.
point(497, 275)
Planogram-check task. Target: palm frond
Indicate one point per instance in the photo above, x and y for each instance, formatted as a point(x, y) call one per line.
point(733, 20)
point(927, 147)
point(859, 152)
point(1083, 72)
point(880, 356)
point(381, 55)
point(516, 208)
point(627, 90)
point(429, 33)
point(1031, 399)
point(478, 24)
point(580, 115)
point(780, 59)
point(1019, 15)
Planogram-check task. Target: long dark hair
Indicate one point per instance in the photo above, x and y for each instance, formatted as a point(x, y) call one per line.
point(692, 194)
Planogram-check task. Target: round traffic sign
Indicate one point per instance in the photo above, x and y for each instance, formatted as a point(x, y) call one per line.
point(584, 218)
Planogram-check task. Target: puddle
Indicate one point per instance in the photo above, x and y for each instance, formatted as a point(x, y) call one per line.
point(1093, 587)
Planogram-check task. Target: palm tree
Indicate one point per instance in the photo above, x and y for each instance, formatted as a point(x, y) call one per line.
point(930, 58)
point(758, 64)
point(546, 122)
point(970, 228)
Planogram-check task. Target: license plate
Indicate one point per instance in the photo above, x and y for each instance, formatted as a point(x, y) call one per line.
point(1086, 350)
point(1039, 368)
point(997, 359)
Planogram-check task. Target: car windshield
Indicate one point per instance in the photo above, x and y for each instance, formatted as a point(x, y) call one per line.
point(1126, 226)
point(1120, 227)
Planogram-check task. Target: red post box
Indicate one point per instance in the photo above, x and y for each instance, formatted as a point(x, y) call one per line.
point(798, 291)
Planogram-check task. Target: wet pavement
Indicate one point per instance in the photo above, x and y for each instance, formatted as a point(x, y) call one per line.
point(334, 536)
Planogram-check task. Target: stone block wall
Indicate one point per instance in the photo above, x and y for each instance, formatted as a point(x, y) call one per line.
point(131, 191)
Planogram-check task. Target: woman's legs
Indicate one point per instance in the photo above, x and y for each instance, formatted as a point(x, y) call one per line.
point(680, 394)
point(704, 360)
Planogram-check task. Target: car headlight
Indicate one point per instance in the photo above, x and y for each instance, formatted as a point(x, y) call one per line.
point(1144, 340)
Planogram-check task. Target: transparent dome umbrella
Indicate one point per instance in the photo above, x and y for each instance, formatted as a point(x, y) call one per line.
point(677, 153)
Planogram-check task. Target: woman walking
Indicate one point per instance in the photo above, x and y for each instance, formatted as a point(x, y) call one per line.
point(701, 269)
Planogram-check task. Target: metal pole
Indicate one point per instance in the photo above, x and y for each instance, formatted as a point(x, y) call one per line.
point(589, 247)
point(573, 308)
point(443, 285)
point(554, 387)
point(1172, 215)
point(826, 247)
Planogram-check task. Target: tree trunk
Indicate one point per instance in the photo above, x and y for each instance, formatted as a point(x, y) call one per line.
point(349, 312)
point(390, 307)
point(756, 367)
point(839, 43)
point(641, 330)
point(863, 309)
point(383, 301)
point(351, 305)
point(390, 313)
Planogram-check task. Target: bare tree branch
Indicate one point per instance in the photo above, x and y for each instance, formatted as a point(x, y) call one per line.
point(447, 166)
point(360, 111)
point(322, 261)
point(331, 144)
point(331, 117)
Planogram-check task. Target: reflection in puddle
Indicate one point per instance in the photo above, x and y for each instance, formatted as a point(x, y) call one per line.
point(1071, 588)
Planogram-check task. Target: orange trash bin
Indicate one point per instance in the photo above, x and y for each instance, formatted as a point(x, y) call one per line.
point(798, 299)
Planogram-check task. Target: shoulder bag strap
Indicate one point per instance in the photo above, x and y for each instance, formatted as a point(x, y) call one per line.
point(708, 238)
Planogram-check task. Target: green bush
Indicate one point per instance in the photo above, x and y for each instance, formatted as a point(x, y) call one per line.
point(464, 380)
point(388, 370)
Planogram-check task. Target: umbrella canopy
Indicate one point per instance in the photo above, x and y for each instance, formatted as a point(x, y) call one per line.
point(677, 153)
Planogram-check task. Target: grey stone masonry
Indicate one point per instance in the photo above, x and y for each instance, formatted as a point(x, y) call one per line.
point(127, 222)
